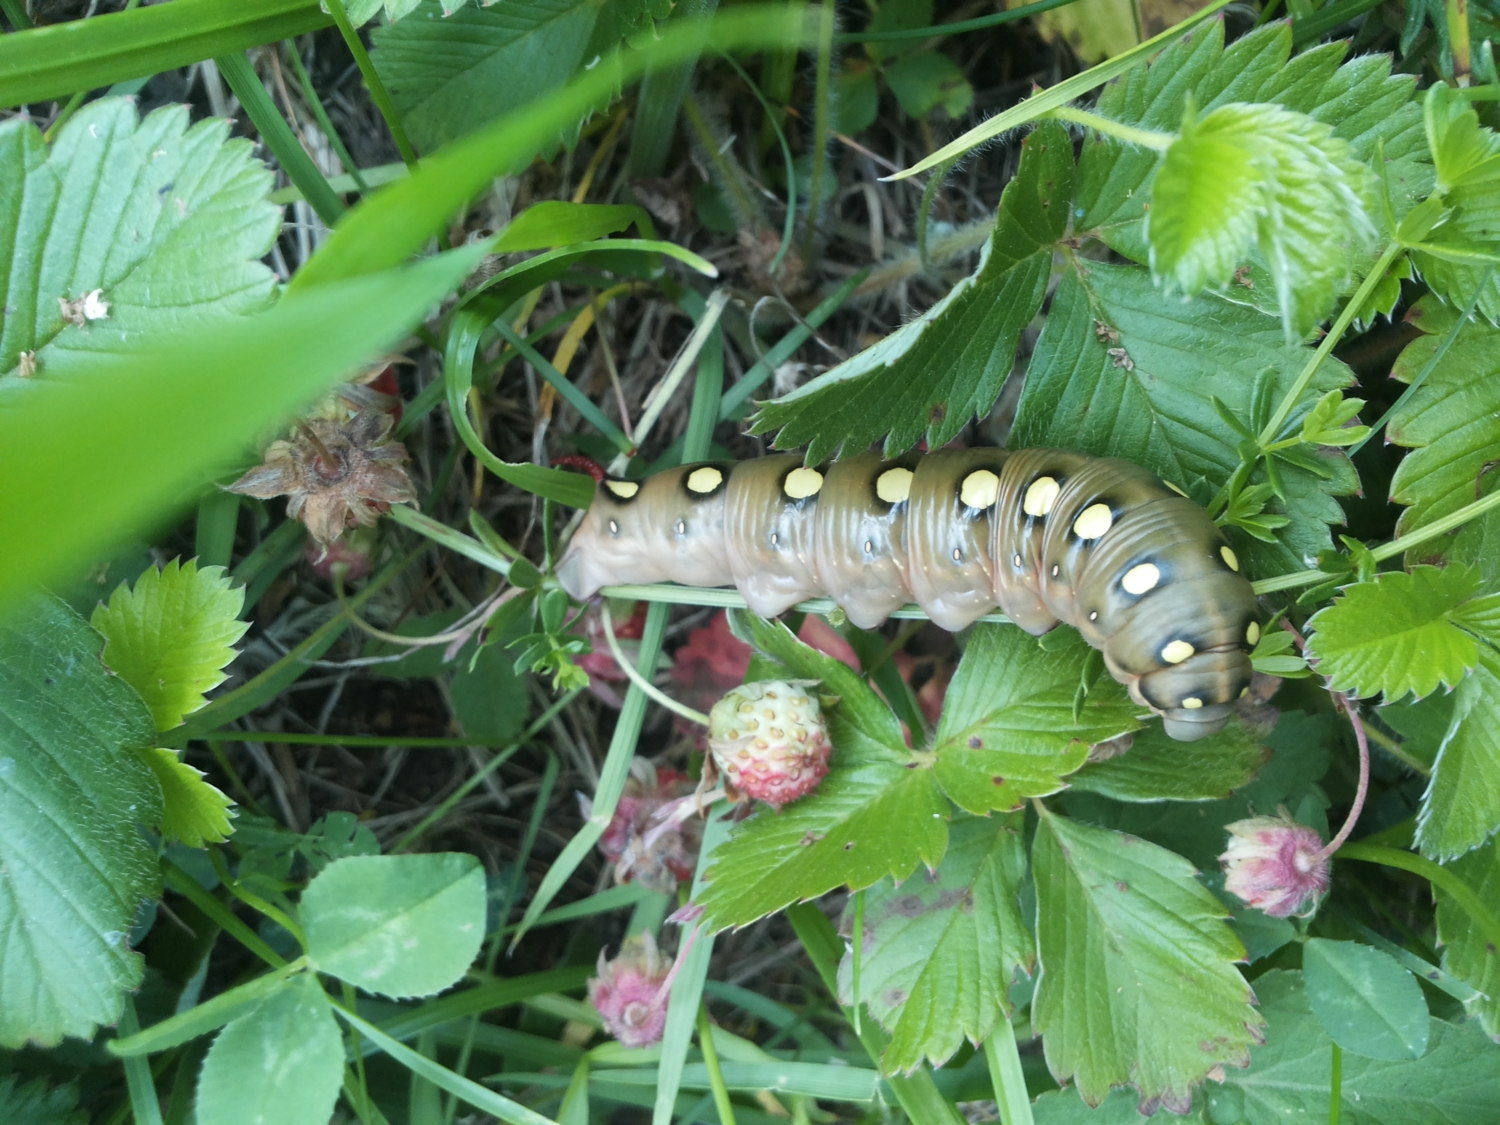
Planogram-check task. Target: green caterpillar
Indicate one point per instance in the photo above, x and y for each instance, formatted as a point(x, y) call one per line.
point(1046, 535)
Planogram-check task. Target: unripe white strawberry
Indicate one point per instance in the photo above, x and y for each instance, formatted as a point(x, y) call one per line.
point(769, 740)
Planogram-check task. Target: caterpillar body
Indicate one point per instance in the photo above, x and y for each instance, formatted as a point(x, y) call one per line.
point(1046, 535)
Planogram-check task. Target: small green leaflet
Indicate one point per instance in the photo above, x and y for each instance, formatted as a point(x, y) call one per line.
point(1007, 731)
point(1261, 175)
point(194, 813)
point(872, 816)
point(1452, 423)
point(137, 227)
point(933, 375)
point(396, 925)
point(942, 949)
point(1467, 952)
point(1365, 1000)
point(1403, 632)
point(282, 1061)
point(171, 636)
point(1158, 768)
point(73, 790)
point(1119, 371)
point(1461, 808)
point(1137, 981)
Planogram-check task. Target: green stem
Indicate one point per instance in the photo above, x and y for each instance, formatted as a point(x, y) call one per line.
point(715, 1072)
point(144, 1103)
point(356, 740)
point(15, 11)
point(1330, 341)
point(1458, 39)
point(1336, 1085)
point(1006, 1075)
point(377, 88)
point(254, 901)
point(62, 118)
point(822, 111)
point(940, 29)
point(1440, 877)
point(640, 681)
point(315, 103)
point(564, 387)
point(1146, 138)
point(190, 889)
point(924, 210)
point(859, 949)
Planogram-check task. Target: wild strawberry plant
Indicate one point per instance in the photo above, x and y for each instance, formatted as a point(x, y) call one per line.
point(993, 878)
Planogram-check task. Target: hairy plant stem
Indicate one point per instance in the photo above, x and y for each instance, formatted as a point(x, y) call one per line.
point(378, 92)
point(1146, 138)
point(1362, 789)
point(822, 111)
point(1006, 1075)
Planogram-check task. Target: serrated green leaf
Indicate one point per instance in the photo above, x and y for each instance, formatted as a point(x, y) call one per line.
point(1397, 634)
point(1463, 151)
point(1266, 175)
point(1451, 425)
point(1467, 953)
point(1137, 983)
point(1158, 768)
point(396, 925)
point(1461, 807)
point(1361, 100)
point(933, 375)
point(1120, 372)
point(1365, 1000)
point(941, 950)
point(72, 793)
point(172, 635)
point(35, 1104)
point(283, 1061)
point(1326, 423)
point(166, 222)
point(449, 75)
point(1007, 731)
point(194, 812)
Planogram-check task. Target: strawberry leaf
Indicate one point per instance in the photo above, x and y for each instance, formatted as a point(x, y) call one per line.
point(1467, 952)
point(194, 812)
point(1158, 768)
point(1461, 808)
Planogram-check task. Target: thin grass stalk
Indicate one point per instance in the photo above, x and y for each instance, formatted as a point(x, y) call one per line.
point(315, 103)
point(144, 1103)
point(378, 92)
point(938, 30)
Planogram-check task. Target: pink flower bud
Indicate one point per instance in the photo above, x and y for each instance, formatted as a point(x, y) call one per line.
point(630, 993)
point(1275, 864)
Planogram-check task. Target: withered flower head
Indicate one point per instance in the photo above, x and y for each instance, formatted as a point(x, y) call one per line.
point(337, 474)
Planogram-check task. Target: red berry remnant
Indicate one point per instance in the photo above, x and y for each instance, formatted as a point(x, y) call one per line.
point(658, 860)
point(769, 741)
point(1276, 865)
point(630, 992)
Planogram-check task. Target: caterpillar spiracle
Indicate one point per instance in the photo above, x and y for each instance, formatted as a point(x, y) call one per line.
point(1046, 535)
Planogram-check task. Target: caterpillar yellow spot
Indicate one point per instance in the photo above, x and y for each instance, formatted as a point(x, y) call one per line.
point(1192, 703)
point(1231, 560)
point(1252, 632)
point(980, 489)
point(1139, 579)
point(802, 483)
point(624, 489)
point(1040, 496)
point(1093, 521)
point(1175, 652)
point(705, 479)
point(894, 485)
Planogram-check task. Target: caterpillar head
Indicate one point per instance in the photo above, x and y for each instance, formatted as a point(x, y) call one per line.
point(1196, 695)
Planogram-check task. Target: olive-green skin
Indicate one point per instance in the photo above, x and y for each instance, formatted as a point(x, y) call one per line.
point(1046, 535)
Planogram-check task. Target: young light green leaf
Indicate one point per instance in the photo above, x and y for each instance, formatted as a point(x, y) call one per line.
point(934, 374)
point(1461, 807)
point(171, 636)
point(1327, 422)
point(1276, 655)
point(1158, 768)
point(1007, 731)
point(872, 816)
point(1119, 372)
point(1247, 511)
point(1451, 424)
point(941, 950)
point(1467, 953)
point(72, 791)
point(1137, 981)
point(396, 925)
point(194, 812)
point(1397, 633)
point(1463, 151)
point(1365, 1000)
point(282, 1061)
point(1271, 177)
point(123, 230)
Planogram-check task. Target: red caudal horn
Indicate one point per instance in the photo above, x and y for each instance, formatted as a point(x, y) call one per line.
point(582, 464)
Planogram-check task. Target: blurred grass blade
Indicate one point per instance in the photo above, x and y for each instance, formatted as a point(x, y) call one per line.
point(53, 62)
point(94, 457)
point(663, 87)
point(395, 222)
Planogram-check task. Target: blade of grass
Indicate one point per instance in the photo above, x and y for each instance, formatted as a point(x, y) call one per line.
point(203, 1018)
point(278, 136)
point(15, 11)
point(564, 386)
point(55, 61)
point(663, 87)
point(352, 170)
point(1065, 91)
point(442, 534)
point(1006, 1074)
point(146, 428)
point(499, 993)
point(378, 92)
point(1025, 11)
point(144, 1103)
point(1440, 877)
point(218, 516)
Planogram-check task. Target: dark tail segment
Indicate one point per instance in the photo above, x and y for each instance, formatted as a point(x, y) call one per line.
point(1045, 535)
